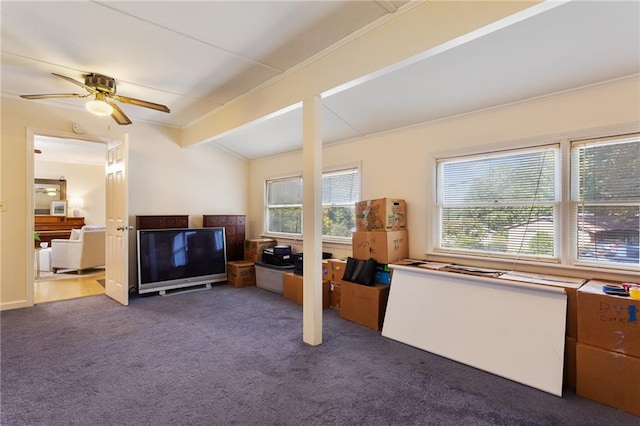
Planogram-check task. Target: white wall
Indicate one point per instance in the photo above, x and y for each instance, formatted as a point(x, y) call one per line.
point(166, 179)
point(163, 179)
point(201, 179)
point(83, 180)
point(396, 164)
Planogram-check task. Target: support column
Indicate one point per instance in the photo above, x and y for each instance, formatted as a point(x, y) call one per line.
point(312, 220)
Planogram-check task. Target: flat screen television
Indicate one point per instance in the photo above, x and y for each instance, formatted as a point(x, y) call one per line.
point(175, 258)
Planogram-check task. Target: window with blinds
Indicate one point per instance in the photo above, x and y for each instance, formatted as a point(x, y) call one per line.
point(505, 203)
point(605, 199)
point(340, 191)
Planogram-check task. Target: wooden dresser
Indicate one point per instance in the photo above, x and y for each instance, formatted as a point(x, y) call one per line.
point(162, 221)
point(51, 227)
point(234, 226)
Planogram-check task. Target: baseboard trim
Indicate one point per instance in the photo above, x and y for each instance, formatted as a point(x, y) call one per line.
point(14, 305)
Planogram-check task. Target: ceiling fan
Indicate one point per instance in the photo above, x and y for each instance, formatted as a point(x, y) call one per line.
point(103, 90)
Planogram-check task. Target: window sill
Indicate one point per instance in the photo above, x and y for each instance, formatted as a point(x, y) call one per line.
point(604, 272)
point(299, 239)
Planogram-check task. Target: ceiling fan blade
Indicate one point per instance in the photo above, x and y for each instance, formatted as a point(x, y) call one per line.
point(76, 82)
point(138, 102)
point(55, 95)
point(118, 115)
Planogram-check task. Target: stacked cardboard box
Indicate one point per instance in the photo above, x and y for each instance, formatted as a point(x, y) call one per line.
point(381, 235)
point(608, 348)
point(253, 248)
point(571, 333)
point(381, 230)
point(383, 246)
point(364, 304)
point(241, 273)
point(383, 214)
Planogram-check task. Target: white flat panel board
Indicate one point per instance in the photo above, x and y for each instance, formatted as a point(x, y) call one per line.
point(513, 330)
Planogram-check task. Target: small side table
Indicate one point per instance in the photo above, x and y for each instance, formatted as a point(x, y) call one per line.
point(42, 260)
point(45, 259)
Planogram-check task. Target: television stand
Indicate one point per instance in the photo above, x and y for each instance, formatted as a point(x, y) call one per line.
point(185, 290)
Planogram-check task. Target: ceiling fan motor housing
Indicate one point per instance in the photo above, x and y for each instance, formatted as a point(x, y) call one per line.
point(101, 83)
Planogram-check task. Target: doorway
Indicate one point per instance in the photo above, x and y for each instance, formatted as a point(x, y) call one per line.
point(81, 164)
point(64, 286)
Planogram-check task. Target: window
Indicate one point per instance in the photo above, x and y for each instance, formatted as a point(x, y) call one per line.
point(340, 191)
point(504, 203)
point(605, 195)
point(284, 206)
point(510, 204)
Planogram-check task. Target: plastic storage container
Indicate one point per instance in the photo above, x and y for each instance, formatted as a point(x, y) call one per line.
point(270, 277)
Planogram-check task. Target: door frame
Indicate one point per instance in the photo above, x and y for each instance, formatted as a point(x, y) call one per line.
point(32, 133)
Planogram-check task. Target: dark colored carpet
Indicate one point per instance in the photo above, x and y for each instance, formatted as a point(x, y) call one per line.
point(230, 356)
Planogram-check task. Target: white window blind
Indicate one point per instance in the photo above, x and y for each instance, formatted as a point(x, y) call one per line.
point(503, 203)
point(605, 195)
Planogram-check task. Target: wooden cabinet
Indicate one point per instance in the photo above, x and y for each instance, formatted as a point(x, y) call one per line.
point(234, 226)
point(51, 227)
point(162, 221)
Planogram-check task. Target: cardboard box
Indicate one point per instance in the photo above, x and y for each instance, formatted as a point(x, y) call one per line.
point(334, 301)
point(292, 286)
point(336, 269)
point(383, 214)
point(571, 327)
point(606, 321)
point(363, 304)
point(241, 273)
point(569, 371)
point(326, 269)
point(608, 377)
point(253, 248)
point(384, 247)
point(293, 289)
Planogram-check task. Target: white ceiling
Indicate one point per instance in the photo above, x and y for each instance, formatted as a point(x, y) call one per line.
point(72, 151)
point(197, 56)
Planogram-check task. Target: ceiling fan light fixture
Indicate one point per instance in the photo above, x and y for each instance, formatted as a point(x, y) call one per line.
point(99, 106)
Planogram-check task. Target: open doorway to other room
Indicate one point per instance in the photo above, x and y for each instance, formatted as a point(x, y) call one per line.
point(63, 211)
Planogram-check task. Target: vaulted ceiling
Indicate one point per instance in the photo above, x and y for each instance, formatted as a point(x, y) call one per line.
point(197, 57)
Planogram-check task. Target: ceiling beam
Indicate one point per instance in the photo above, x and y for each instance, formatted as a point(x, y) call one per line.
point(408, 33)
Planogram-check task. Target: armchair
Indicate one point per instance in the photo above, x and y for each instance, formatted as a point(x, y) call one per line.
point(84, 249)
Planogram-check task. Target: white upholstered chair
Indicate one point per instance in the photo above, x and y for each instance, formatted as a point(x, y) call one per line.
point(84, 249)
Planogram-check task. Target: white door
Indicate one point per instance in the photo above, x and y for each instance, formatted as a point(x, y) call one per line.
point(117, 262)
